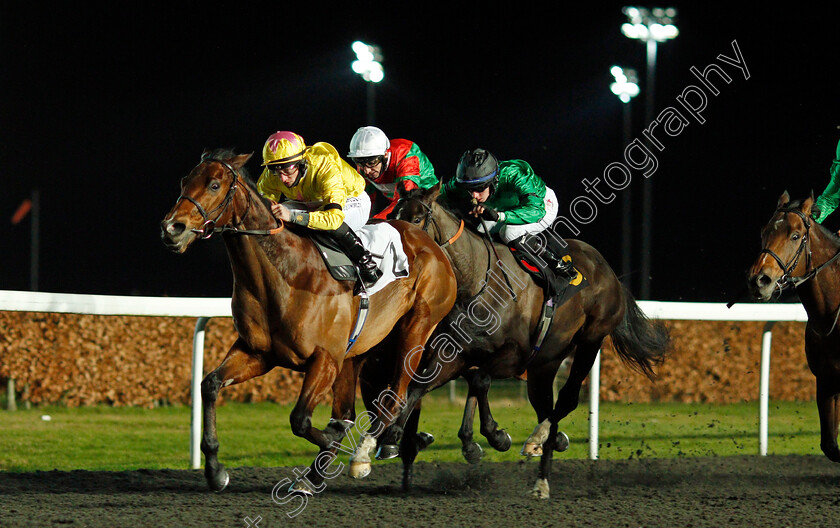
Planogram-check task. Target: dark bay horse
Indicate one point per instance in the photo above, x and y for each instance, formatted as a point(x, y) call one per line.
point(797, 252)
point(490, 332)
point(289, 312)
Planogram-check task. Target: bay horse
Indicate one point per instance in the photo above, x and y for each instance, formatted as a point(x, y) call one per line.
point(289, 312)
point(799, 253)
point(467, 346)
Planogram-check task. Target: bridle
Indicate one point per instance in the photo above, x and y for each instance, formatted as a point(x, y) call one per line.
point(428, 218)
point(209, 227)
point(786, 280)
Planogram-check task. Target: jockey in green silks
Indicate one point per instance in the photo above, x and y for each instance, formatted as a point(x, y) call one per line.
point(830, 197)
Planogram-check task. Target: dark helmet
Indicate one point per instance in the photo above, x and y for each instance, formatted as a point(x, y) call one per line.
point(477, 170)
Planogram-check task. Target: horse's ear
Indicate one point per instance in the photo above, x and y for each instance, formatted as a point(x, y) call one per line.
point(808, 205)
point(241, 159)
point(783, 200)
point(401, 188)
point(434, 191)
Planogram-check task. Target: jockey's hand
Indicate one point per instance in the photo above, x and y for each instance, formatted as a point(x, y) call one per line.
point(281, 212)
point(488, 213)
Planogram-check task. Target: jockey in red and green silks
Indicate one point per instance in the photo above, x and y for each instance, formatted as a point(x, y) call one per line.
point(830, 197)
point(385, 163)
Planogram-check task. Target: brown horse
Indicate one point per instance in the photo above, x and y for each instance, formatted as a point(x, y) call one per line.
point(491, 331)
point(799, 253)
point(289, 312)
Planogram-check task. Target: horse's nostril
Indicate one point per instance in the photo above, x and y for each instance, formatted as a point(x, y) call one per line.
point(763, 280)
point(172, 228)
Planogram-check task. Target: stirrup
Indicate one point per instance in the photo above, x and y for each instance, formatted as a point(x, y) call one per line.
point(565, 270)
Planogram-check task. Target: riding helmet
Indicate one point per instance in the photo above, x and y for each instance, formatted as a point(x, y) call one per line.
point(477, 170)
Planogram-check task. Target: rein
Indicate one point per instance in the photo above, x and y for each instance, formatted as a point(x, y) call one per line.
point(429, 218)
point(209, 226)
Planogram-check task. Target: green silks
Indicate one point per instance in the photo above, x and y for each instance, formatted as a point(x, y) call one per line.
point(830, 197)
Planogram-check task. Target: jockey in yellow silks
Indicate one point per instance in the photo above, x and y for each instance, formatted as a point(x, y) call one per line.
point(314, 187)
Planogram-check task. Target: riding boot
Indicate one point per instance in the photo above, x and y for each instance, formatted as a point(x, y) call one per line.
point(563, 269)
point(352, 246)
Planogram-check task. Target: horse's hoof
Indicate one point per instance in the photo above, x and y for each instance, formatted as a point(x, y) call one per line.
point(561, 442)
point(472, 452)
point(359, 470)
point(832, 452)
point(219, 481)
point(424, 440)
point(540, 489)
point(531, 449)
point(387, 452)
point(301, 488)
point(501, 441)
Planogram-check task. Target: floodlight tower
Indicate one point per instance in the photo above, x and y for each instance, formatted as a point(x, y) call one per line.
point(626, 87)
point(650, 26)
point(368, 64)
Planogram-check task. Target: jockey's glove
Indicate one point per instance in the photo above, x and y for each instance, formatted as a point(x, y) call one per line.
point(490, 214)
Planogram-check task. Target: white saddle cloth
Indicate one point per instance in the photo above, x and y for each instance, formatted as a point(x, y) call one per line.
point(385, 245)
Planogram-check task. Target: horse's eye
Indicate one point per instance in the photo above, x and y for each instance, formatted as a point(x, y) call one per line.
point(417, 220)
point(795, 236)
point(215, 186)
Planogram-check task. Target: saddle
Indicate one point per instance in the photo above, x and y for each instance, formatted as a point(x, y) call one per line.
point(557, 291)
point(339, 264)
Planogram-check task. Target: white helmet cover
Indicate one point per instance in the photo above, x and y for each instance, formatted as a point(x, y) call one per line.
point(368, 141)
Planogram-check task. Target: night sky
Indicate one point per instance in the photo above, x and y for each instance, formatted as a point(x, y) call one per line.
point(104, 110)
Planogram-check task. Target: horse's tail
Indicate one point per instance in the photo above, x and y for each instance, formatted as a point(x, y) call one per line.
point(640, 342)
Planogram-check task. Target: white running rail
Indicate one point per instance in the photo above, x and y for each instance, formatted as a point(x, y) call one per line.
point(206, 308)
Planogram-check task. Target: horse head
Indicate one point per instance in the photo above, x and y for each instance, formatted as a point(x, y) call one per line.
point(415, 206)
point(786, 251)
point(207, 200)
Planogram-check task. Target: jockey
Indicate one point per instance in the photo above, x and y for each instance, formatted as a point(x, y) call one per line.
point(509, 198)
point(385, 163)
point(320, 191)
point(830, 197)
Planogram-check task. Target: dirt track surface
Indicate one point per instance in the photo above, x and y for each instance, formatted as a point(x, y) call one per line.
point(796, 491)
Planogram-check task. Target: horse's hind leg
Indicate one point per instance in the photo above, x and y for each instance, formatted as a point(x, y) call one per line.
point(239, 365)
point(828, 403)
point(567, 401)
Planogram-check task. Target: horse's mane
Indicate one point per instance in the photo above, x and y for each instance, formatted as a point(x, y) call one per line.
point(228, 153)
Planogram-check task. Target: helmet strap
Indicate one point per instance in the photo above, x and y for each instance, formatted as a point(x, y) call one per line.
point(301, 173)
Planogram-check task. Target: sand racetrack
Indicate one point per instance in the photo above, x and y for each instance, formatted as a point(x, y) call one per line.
point(777, 491)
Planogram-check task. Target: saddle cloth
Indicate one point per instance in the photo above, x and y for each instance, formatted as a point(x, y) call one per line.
point(383, 242)
point(555, 288)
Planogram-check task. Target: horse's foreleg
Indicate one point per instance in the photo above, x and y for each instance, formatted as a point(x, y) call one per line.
point(470, 449)
point(239, 365)
point(412, 443)
point(828, 405)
